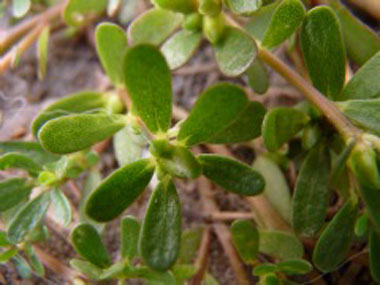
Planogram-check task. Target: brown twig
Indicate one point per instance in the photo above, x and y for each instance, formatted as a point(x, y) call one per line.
point(203, 257)
point(228, 216)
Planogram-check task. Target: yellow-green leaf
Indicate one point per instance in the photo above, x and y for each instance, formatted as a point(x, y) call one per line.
point(42, 52)
point(21, 161)
point(79, 12)
point(246, 239)
point(20, 7)
point(182, 6)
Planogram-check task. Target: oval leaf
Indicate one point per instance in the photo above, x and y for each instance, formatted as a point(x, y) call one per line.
point(128, 146)
point(130, 233)
point(285, 20)
point(323, 49)
point(181, 47)
point(183, 6)
point(258, 77)
point(244, 7)
point(77, 132)
point(20, 7)
point(161, 230)
point(62, 208)
point(42, 52)
point(246, 239)
point(374, 254)
point(260, 21)
point(371, 199)
point(312, 193)
point(79, 12)
point(119, 190)
point(232, 175)
point(13, 191)
point(280, 125)
point(88, 243)
point(27, 218)
point(154, 26)
point(294, 267)
point(111, 45)
point(152, 99)
point(86, 268)
point(21, 161)
point(337, 238)
point(235, 52)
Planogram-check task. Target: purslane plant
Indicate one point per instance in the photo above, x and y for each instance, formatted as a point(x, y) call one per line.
point(338, 148)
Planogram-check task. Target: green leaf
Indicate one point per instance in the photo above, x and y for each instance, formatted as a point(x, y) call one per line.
point(13, 191)
point(181, 47)
point(294, 267)
point(86, 101)
point(280, 245)
point(365, 83)
point(285, 20)
point(190, 242)
point(18, 160)
point(364, 113)
point(371, 199)
point(130, 233)
point(258, 77)
point(244, 7)
point(232, 175)
point(88, 243)
point(20, 7)
point(77, 132)
point(161, 229)
point(7, 255)
point(206, 120)
point(361, 225)
point(245, 237)
point(128, 145)
point(152, 99)
point(42, 52)
point(264, 269)
point(247, 126)
point(210, 8)
point(231, 62)
point(22, 266)
point(323, 49)
point(86, 268)
point(27, 218)
point(361, 42)
point(312, 192)
point(154, 277)
point(154, 26)
point(111, 45)
point(214, 28)
point(62, 208)
point(30, 149)
point(79, 12)
point(276, 187)
point(280, 125)
point(114, 271)
point(336, 238)
point(182, 6)
point(374, 254)
point(183, 272)
point(120, 190)
point(34, 261)
point(4, 240)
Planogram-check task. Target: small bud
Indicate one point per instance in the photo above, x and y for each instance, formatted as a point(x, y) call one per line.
point(114, 103)
point(213, 28)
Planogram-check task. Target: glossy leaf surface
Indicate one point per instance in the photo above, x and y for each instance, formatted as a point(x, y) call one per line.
point(13, 191)
point(244, 7)
point(232, 175)
point(235, 52)
point(79, 12)
point(260, 21)
point(246, 239)
point(323, 49)
point(119, 190)
point(130, 233)
point(312, 193)
point(76, 132)
point(128, 146)
point(148, 81)
point(161, 230)
point(61, 205)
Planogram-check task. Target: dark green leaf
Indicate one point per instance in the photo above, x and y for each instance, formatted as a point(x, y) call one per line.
point(79, 12)
point(154, 26)
point(294, 267)
point(323, 49)
point(281, 124)
point(13, 191)
point(264, 269)
point(18, 160)
point(258, 77)
point(361, 225)
point(182, 6)
point(260, 21)
point(7, 255)
point(130, 233)
point(72, 104)
point(161, 230)
point(77, 132)
point(128, 145)
point(371, 199)
point(88, 243)
point(244, 7)
point(181, 47)
point(312, 193)
point(280, 245)
point(285, 20)
point(235, 52)
point(111, 45)
point(42, 52)
point(276, 188)
point(232, 175)
point(374, 254)
point(34, 261)
point(365, 84)
point(152, 99)
point(20, 7)
point(336, 238)
point(86, 268)
point(27, 218)
point(62, 208)
point(361, 42)
point(119, 190)
point(190, 242)
point(246, 239)
point(206, 120)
